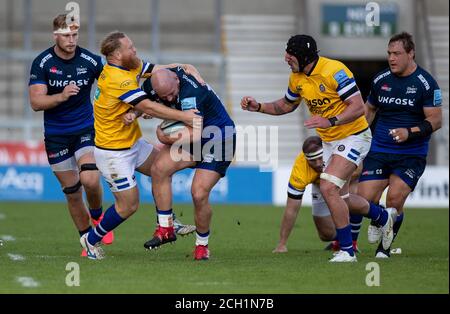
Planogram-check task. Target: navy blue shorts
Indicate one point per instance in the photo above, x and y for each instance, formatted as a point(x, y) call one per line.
point(215, 159)
point(62, 147)
point(379, 166)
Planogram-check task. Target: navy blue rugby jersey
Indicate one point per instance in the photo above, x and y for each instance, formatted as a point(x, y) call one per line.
point(76, 113)
point(400, 102)
point(193, 95)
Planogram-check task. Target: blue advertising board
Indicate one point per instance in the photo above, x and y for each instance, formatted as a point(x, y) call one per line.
point(241, 185)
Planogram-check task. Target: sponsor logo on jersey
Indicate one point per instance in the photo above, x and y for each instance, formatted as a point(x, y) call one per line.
point(61, 83)
point(125, 83)
point(55, 70)
point(397, 101)
point(188, 103)
point(88, 58)
point(33, 76)
point(318, 102)
point(341, 77)
point(437, 98)
point(190, 81)
point(322, 88)
point(97, 93)
point(381, 76)
point(386, 88)
point(81, 70)
point(411, 90)
point(45, 59)
point(424, 81)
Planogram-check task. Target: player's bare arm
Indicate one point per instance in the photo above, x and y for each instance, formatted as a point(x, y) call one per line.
point(354, 110)
point(370, 112)
point(189, 117)
point(275, 108)
point(41, 101)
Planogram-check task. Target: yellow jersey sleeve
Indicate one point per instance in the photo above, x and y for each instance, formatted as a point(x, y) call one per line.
point(293, 91)
point(301, 175)
point(343, 82)
point(325, 91)
point(146, 69)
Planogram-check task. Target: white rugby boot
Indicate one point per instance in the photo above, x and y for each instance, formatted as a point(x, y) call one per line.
point(373, 234)
point(93, 251)
point(343, 257)
point(387, 231)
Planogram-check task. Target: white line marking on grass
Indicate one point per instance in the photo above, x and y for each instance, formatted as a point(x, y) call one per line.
point(7, 237)
point(27, 282)
point(16, 257)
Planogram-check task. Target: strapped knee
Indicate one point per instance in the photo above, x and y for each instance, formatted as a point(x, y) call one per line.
point(85, 167)
point(72, 189)
point(333, 179)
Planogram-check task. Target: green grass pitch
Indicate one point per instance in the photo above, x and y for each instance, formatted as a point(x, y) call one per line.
point(242, 238)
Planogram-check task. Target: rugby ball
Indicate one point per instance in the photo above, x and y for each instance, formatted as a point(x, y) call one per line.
point(170, 126)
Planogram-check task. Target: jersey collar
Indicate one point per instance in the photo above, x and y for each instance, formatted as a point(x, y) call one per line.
point(118, 66)
point(77, 53)
point(313, 67)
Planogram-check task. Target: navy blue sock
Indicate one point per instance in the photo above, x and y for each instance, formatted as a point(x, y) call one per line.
point(355, 222)
point(398, 224)
point(110, 221)
point(96, 213)
point(378, 214)
point(81, 232)
point(345, 239)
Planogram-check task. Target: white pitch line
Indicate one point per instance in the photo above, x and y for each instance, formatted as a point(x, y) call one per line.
point(7, 237)
point(27, 282)
point(16, 257)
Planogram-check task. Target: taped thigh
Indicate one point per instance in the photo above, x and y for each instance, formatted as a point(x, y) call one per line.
point(333, 179)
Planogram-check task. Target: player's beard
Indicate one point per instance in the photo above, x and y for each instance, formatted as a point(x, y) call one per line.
point(131, 63)
point(68, 50)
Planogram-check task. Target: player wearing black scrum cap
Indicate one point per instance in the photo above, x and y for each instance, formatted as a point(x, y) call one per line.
point(329, 90)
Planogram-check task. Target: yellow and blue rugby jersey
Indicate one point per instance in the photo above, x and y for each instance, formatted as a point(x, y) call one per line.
point(324, 91)
point(118, 91)
point(301, 175)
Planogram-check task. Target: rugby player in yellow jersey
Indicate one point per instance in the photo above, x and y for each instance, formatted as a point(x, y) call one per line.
point(306, 170)
point(329, 90)
point(119, 148)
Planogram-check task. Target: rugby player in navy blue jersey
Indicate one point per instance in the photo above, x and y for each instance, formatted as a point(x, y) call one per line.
point(183, 92)
point(407, 102)
point(60, 85)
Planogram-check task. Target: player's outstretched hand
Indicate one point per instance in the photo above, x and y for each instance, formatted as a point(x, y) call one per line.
point(69, 90)
point(249, 103)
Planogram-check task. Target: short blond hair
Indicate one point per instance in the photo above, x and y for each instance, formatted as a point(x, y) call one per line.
point(111, 43)
point(60, 22)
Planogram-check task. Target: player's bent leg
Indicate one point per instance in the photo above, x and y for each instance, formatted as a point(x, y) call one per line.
point(72, 190)
point(325, 227)
point(162, 166)
point(202, 184)
point(333, 180)
point(396, 196)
